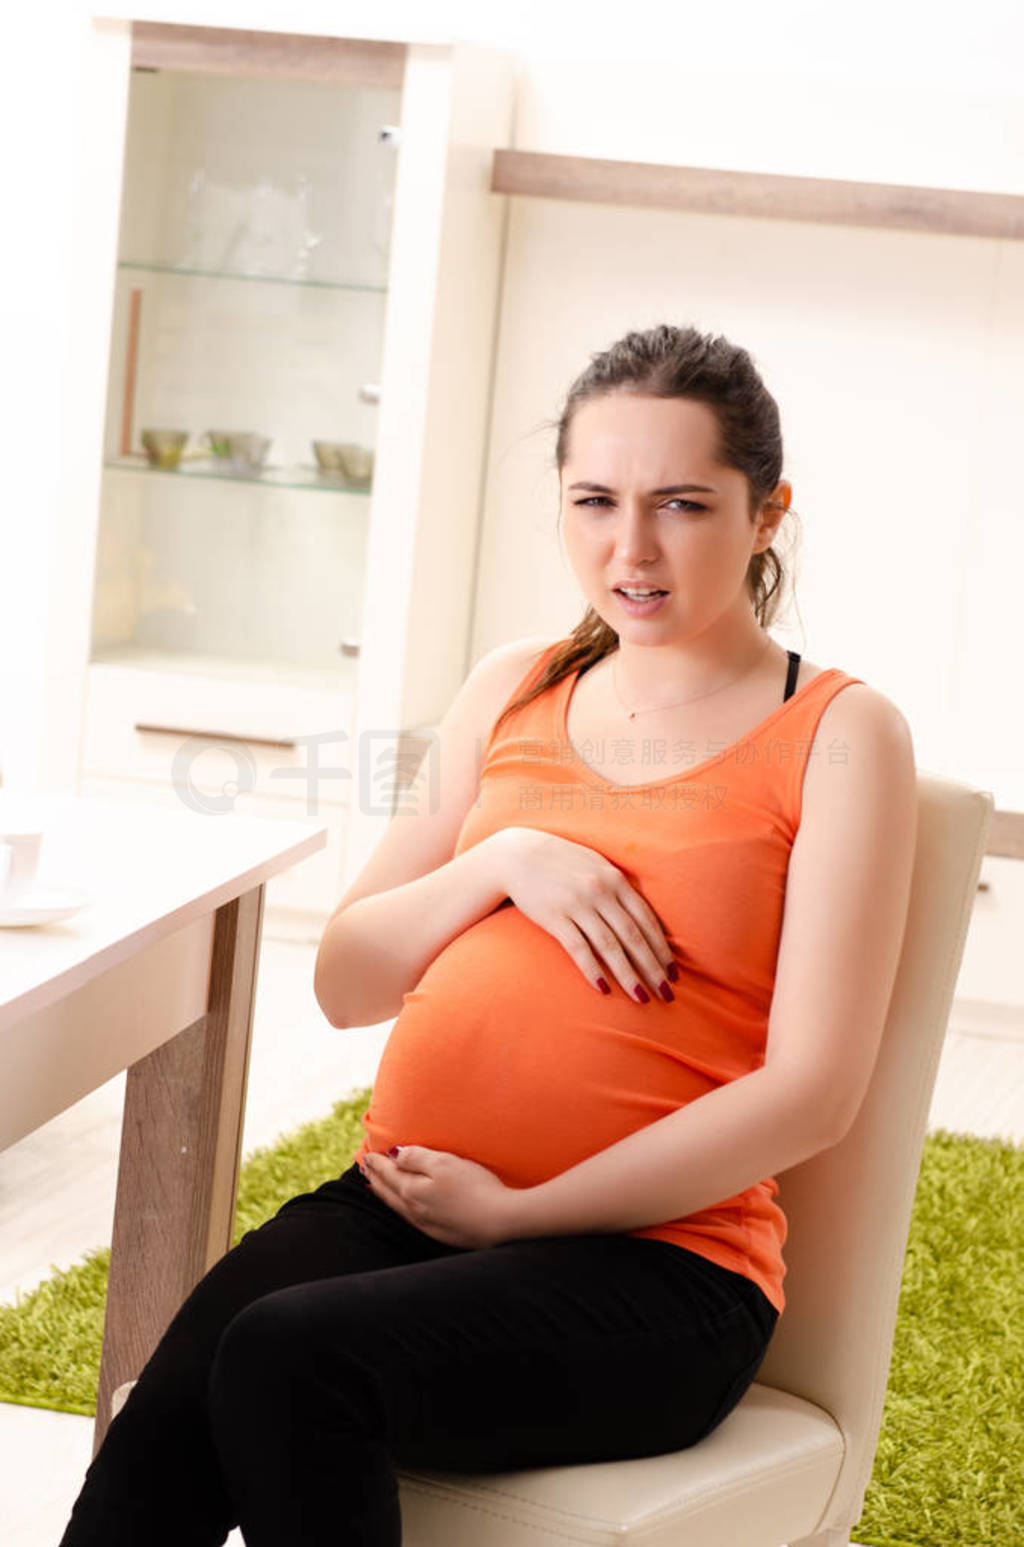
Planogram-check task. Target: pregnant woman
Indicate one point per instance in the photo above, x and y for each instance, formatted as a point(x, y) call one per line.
point(640, 948)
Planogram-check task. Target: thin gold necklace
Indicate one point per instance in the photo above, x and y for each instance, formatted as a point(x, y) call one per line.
point(634, 712)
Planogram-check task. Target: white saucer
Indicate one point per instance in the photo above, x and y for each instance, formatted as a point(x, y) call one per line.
point(43, 905)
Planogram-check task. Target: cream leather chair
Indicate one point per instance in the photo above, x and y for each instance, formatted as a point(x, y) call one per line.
point(792, 1461)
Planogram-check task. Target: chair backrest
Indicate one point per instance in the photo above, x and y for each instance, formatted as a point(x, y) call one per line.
point(849, 1207)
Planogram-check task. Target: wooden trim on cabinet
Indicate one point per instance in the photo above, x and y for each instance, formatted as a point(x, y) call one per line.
point(277, 55)
point(768, 195)
point(131, 360)
point(1006, 834)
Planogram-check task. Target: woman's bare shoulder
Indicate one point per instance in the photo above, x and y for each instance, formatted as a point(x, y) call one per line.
point(528, 649)
point(863, 743)
point(506, 665)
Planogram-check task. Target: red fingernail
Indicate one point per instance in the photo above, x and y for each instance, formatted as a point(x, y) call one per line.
point(665, 991)
point(393, 1151)
point(603, 986)
point(673, 972)
point(642, 994)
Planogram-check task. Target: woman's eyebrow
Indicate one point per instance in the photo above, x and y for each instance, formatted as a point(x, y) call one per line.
point(671, 488)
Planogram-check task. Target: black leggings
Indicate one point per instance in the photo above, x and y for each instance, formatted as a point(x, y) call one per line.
point(338, 1340)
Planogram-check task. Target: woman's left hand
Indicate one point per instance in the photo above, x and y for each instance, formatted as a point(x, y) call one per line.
point(450, 1199)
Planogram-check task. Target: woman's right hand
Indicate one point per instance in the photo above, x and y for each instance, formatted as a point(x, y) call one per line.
point(587, 904)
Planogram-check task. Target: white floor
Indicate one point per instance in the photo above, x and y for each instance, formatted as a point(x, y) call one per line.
point(57, 1188)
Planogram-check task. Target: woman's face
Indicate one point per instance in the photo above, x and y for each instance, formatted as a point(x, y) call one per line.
point(640, 526)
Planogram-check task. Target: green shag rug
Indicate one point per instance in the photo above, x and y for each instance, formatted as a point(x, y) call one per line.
point(947, 1471)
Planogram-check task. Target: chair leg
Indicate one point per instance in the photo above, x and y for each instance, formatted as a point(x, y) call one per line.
point(823, 1539)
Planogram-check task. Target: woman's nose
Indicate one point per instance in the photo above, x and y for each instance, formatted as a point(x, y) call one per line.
point(634, 540)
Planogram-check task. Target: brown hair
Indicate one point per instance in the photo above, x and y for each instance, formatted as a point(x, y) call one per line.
point(666, 361)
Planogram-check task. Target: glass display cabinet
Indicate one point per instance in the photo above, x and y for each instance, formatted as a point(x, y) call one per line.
point(244, 370)
point(301, 346)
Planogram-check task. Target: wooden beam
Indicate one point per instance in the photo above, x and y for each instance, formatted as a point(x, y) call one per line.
point(273, 55)
point(767, 195)
point(1006, 834)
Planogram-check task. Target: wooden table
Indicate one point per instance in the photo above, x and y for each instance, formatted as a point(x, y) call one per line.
point(156, 976)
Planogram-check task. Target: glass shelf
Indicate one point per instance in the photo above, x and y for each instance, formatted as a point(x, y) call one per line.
point(301, 477)
point(259, 279)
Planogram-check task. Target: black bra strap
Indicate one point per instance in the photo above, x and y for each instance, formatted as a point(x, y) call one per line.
point(794, 667)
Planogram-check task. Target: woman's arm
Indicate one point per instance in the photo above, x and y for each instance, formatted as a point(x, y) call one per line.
point(379, 947)
point(847, 894)
point(413, 897)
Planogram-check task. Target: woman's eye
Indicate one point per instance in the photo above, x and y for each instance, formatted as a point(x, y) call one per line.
point(603, 499)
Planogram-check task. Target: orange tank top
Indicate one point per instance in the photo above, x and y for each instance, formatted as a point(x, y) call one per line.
point(504, 1053)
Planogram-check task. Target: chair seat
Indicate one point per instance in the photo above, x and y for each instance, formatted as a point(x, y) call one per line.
point(763, 1477)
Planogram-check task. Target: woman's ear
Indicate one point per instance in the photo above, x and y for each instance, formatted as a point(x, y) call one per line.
point(772, 514)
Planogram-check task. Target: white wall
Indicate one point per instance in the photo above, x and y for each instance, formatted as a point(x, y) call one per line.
point(896, 357)
point(63, 93)
point(892, 93)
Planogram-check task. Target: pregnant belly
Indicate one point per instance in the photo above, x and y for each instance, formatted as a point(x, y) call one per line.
point(504, 1054)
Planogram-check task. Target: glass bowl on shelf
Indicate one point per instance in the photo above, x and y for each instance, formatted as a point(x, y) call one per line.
point(345, 458)
point(164, 447)
point(241, 452)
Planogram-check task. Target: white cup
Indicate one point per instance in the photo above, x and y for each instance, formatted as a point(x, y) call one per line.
point(19, 861)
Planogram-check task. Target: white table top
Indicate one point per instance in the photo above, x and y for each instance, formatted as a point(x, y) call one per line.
point(150, 870)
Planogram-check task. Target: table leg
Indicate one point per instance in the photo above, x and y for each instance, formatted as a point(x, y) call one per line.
point(181, 1142)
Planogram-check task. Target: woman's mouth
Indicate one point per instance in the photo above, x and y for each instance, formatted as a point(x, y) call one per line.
point(640, 605)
